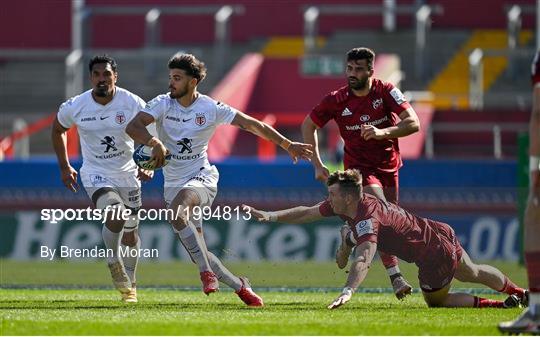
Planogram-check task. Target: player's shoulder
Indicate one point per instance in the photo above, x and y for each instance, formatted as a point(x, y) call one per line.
point(381, 86)
point(128, 95)
point(76, 102)
point(337, 96)
point(163, 100)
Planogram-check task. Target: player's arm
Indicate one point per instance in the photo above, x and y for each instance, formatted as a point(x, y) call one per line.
point(359, 269)
point(263, 130)
point(534, 135)
point(137, 130)
point(408, 124)
point(309, 134)
point(295, 215)
point(59, 141)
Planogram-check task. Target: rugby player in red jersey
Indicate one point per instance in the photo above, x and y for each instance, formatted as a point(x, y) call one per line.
point(377, 224)
point(366, 112)
point(529, 320)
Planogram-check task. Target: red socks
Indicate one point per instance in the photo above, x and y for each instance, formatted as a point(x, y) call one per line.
point(511, 288)
point(532, 261)
point(480, 302)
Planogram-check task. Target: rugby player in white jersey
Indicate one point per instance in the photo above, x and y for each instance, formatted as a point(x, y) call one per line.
point(186, 120)
point(108, 172)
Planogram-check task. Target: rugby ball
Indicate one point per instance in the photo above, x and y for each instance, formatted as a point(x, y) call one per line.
point(142, 156)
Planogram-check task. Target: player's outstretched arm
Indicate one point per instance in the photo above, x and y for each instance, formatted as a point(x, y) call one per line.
point(296, 215)
point(59, 141)
point(137, 130)
point(309, 134)
point(409, 124)
point(263, 130)
point(359, 269)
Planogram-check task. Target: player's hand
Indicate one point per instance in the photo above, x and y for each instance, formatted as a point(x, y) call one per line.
point(343, 298)
point(144, 175)
point(69, 178)
point(402, 288)
point(261, 216)
point(322, 173)
point(370, 132)
point(300, 150)
point(159, 151)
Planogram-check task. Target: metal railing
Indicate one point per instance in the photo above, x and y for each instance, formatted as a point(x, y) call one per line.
point(81, 14)
point(494, 128)
point(388, 9)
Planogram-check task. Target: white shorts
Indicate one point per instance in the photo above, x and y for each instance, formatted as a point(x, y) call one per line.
point(128, 187)
point(204, 183)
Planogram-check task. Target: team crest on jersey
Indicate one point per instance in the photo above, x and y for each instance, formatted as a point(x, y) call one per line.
point(377, 103)
point(120, 117)
point(200, 119)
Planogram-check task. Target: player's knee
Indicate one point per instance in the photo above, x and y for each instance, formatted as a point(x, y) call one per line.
point(434, 302)
point(111, 204)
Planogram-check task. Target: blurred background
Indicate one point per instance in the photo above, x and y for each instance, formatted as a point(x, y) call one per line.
point(465, 65)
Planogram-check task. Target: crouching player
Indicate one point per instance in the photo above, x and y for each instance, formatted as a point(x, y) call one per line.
point(376, 224)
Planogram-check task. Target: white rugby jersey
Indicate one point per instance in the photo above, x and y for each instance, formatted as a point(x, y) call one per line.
point(106, 147)
point(185, 132)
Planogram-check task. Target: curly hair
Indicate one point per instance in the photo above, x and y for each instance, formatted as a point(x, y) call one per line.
point(190, 64)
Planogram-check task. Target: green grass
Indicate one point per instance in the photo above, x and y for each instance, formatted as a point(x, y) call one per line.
point(66, 311)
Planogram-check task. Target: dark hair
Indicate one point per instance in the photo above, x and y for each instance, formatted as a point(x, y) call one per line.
point(349, 181)
point(102, 59)
point(362, 53)
point(190, 64)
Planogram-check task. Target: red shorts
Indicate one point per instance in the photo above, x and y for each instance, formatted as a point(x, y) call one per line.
point(389, 181)
point(439, 267)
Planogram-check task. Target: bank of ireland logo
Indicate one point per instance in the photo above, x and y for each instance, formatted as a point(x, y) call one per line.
point(200, 119)
point(186, 145)
point(120, 117)
point(364, 118)
point(109, 142)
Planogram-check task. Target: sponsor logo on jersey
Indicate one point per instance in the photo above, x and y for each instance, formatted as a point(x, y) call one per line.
point(364, 118)
point(357, 127)
point(120, 117)
point(88, 119)
point(377, 103)
point(109, 142)
point(188, 157)
point(364, 227)
point(175, 119)
point(104, 117)
point(398, 96)
point(200, 119)
point(111, 155)
point(346, 112)
point(186, 145)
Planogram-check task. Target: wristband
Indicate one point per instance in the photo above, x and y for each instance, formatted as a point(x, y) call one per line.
point(534, 163)
point(285, 144)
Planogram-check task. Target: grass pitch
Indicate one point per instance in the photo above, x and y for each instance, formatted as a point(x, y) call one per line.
point(37, 300)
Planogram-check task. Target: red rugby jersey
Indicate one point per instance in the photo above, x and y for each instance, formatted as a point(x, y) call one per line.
point(379, 108)
point(396, 231)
